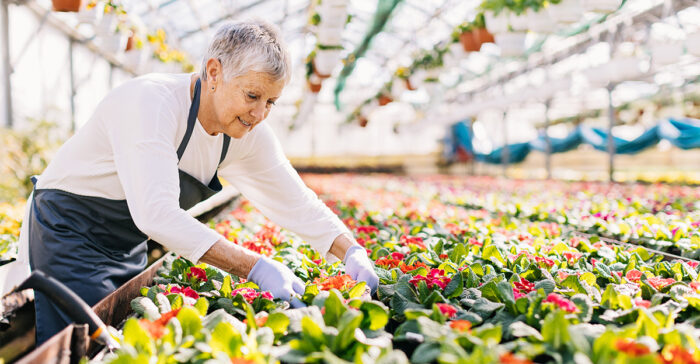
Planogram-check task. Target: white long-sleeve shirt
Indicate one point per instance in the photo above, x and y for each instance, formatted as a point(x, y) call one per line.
point(127, 150)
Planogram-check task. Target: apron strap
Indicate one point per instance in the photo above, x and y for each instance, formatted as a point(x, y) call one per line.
point(191, 119)
point(224, 149)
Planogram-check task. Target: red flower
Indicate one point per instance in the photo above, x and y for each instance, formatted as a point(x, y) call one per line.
point(562, 275)
point(197, 273)
point(695, 286)
point(642, 303)
point(631, 348)
point(187, 291)
point(517, 294)
point(561, 302)
point(524, 285)
point(408, 240)
point(250, 294)
point(633, 275)
point(366, 229)
point(692, 264)
point(447, 310)
point(317, 261)
point(473, 241)
point(443, 256)
point(659, 283)
point(509, 358)
point(461, 325)
point(436, 277)
point(572, 257)
point(388, 262)
point(544, 260)
point(397, 256)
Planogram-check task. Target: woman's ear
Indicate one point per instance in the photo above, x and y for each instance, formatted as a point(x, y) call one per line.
point(214, 72)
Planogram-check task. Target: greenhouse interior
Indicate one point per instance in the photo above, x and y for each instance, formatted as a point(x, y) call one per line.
point(350, 181)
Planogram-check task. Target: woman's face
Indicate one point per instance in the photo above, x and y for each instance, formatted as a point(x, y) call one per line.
point(243, 102)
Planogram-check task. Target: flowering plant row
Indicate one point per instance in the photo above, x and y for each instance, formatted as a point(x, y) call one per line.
point(456, 285)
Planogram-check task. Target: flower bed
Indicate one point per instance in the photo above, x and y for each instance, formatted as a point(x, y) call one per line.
point(456, 285)
point(10, 222)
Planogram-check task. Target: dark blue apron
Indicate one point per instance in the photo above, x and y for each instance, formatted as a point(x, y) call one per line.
point(91, 244)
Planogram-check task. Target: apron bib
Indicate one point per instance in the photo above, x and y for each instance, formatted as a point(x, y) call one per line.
point(91, 244)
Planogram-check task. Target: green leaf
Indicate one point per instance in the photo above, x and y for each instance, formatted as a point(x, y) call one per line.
point(546, 285)
point(520, 329)
point(312, 332)
point(226, 287)
point(278, 322)
point(572, 282)
point(490, 291)
point(357, 290)
point(137, 336)
point(190, 320)
point(555, 329)
point(224, 338)
point(614, 300)
point(426, 352)
point(163, 303)
point(145, 307)
point(492, 253)
point(455, 287)
point(334, 308)
point(376, 315)
point(349, 321)
point(458, 252)
point(485, 308)
point(202, 305)
point(310, 292)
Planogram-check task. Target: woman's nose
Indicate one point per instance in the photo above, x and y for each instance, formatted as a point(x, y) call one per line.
point(258, 112)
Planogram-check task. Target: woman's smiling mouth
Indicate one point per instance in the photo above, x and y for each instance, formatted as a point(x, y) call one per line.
point(244, 123)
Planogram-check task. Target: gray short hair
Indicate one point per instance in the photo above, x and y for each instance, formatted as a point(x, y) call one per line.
point(253, 45)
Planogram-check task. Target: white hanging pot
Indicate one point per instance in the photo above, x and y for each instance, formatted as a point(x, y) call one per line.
point(598, 76)
point(602, 6)
point(329, 35)
point(496, 24)
point(333, 16)
point(512, 44)
point(114, 43)
point(326, 60)
point(540, 22)
point(92, 15)
point(692, 43)
point(135, 59)
point(107, 25)
point(567, 11)
point(519, 22)
point(665, 52)
point(335, 2)
point(625, 68)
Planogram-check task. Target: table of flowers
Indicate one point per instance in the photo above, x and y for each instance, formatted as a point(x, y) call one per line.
point(471, 271)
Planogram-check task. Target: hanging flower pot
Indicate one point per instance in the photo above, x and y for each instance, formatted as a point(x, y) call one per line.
point(314, 83)
point(496, 23)
point(518, 22)
point(384, 99)
point(333, 15)
point(665, 51)
point(692, 43)
point(484, 36)
point(469, 42)
point(567, 11)
point(602, 6)
point(135, 59)
point(66, 5)
point(362, 120)
point(107, 25)
point(326, 60)
point(409, 85)
point(329, 35)
point(114, 43)
point(540, 22)
point(625, 68)
point(512, 44)
point(90, 13)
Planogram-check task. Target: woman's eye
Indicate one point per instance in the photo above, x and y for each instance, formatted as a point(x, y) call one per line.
point(270, 103)
point(252, 97)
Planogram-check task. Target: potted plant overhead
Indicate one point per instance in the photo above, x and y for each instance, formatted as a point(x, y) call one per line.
point(496, 14)
point(327, 57)
point(90, 12)
point(465, 35)
point(312, 78)
point(481, 34)
point(565, 11)
point(112, 11)
point(66, 5)
point(404, 73)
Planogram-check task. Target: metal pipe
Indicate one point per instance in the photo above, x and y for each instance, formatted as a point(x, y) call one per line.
point(6, 65)
point(71, 73)
point(611, 142)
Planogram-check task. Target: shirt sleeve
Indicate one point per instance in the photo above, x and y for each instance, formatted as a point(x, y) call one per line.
point(266, 178)
point(142, 137)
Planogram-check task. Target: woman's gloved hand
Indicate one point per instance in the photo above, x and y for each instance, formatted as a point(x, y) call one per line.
point(271, 275)
point(359, 267)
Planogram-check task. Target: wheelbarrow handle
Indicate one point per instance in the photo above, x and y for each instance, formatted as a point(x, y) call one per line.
point(71, 304)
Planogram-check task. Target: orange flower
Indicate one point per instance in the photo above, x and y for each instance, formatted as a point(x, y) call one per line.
point(339, 282)
point(154, 329)
point(677, 355)
point(509, 358)
point(259, 321)
point(405, 268)
point(631, 348)
point(461, 325)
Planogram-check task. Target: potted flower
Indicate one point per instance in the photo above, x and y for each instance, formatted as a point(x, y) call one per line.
point(333, 13)
point(465, 36)
point(538, 20)
point(91, 12)
point(112, 11)
point(481, 34)
point(327, 57)
point(565, 11)
point(329, 35)
point(67, 5)
point(115, 42)
point(496, 14)
point(512, 44)
point(136, 53)
point(404, 73)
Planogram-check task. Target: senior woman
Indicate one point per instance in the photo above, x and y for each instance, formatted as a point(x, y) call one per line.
point(154, 147)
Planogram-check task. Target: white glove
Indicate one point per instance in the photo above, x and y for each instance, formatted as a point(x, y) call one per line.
point(271, 275)
point(359, 267)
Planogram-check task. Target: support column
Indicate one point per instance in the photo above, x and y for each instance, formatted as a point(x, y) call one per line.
point(71, 74)
point(611, 142)
point(548, 142)
point(505, 152)
point(6, 65)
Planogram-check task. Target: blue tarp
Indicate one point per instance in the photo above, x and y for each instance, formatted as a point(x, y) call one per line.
point(683, 133)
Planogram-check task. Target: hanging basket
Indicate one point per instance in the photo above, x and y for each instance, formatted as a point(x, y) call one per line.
point(333, 16)
point(135, 59)
point(114, 43)
point(67, 5)
point(512, 44)
point(692, 43)
point(518, 22)
point(469, 42)
point(567, 11)
point(602, 6)
point(483, 36)
point(666, 52)
point(496, 24)
point(314, 83)
point(384, 100)
point(329, 35)
point(90, 16)
point(106, 25)
point(540, 22)
point(326, 60)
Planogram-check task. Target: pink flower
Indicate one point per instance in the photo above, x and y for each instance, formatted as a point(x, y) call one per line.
point(692, 264)
point(250, 294)
point(695, 286)
point(197, 273)
point(561, 302)
point(633, 275)
point(187, 291)
point(317, 261)
point(544, 260)
point(447, 310)
point(642, 303)
point(562, 275)
point(524, 285)
point(408, 240)
point(366, 229)
point(436, 277)
point(659, 283)
point(517, 294)
point(397, 256)
point(572, 257)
